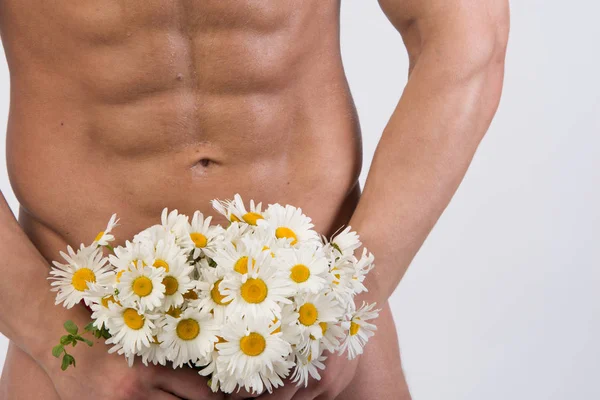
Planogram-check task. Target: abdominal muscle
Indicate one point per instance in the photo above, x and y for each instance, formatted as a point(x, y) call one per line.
point(135, 108)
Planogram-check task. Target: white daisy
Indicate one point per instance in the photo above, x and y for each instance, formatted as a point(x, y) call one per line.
point(129, 328)
point(142, 285)
point(154, 354)
point(270, 379)
point(314, 312)
point(235, 211)
point(234, 233)
point(359, 330)
point(211, 370)
point(306, 267)
point(361, 268)
point(177, 283)
point(165, 252)
point(267, 239)
point(70, 280)
point(204, 236)
point(227, 381)
point(127, 256)
point(340, 274)
point(239, 257)
point(288, 222)
point(288, 325)
point(346, 242)
point(257, 293)
point(99, 297)
point(189, 338)
point(177, 224)
point(333, 333)
point(250, 351)
point(307, 365)
point(104, 237)
point(211, 298)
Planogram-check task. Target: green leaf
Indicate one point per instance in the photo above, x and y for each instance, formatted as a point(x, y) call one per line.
point(90, 327)
point(65, 340)
point(106, 334)
point(108, 246)
point(57, 350)
point(88, 342)
point(71, 327)
point(66, 361)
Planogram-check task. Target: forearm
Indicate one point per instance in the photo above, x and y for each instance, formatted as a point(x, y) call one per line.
point(421, 159)
point(28, 315)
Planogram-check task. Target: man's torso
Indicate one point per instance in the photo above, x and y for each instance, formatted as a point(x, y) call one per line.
point(132, 106)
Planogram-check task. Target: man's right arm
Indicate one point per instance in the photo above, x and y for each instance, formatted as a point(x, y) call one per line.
point(29, 318)
point(26, 303)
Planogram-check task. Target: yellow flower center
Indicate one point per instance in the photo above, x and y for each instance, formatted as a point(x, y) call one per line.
point(142, 286)
point(299, 273)
point(105, 300)
point(158, 263)
point(120, 274)
point(155, 340)
point(171, 285)
point(220, 340)
point(199, 239)
point(252, 217)
point(188, 329)
point(323, 326)
point(268, 248)
point(190, 295)
point(81, 277)
point(233, 218)
point(354, 327)
point(99, 236)
point(254, 290)
point(174, 312)
point(278, 329)
point(216, 295)
point(308, 314)
point(132, 319)
point(241, 265)
point(253, 344)
point(283, 232)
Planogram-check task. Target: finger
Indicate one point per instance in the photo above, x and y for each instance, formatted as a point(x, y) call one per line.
point(162, 395)
point(286, 392)
point(186, 384)
point(242, 394)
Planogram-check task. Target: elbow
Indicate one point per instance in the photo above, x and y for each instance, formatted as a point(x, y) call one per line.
point(490, 53)
point(485, 44)
point(469, 46)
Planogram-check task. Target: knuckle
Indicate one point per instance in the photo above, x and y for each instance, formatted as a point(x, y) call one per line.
point(130, 387)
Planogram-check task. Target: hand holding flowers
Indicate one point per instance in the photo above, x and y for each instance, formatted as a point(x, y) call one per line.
point(248, 305)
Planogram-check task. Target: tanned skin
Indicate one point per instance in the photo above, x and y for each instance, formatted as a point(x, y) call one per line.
point(131, 106)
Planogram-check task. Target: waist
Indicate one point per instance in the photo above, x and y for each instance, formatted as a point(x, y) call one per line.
point(69, 188)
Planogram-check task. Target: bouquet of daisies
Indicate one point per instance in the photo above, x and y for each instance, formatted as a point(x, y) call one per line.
point(248, 305)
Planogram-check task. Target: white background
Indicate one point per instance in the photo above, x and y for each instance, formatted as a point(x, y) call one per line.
point(502, 301)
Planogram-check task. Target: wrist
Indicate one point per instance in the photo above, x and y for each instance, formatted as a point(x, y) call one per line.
point(40, 345)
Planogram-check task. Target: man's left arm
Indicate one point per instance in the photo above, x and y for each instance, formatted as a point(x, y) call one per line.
point(456, 51)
